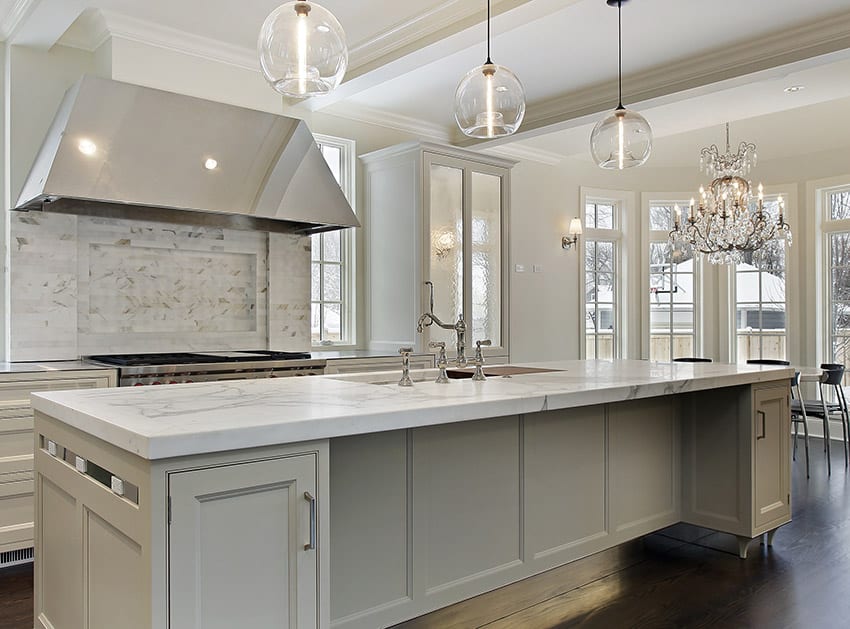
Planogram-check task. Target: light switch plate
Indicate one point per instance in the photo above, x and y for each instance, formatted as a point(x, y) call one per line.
point(537, 268)
point(80, 464)
point(51, 447)
point(519, 268)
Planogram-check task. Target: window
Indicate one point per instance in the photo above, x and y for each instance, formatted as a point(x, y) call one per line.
point(837, 236)
point(760, 300)
point(673, 283)
point(601, 251)
point(332, 281)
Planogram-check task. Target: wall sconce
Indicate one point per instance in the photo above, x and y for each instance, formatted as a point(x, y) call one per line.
point(575, 231)
point(444, 241)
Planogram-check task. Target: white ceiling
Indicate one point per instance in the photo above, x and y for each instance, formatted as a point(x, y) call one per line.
point(689, 65)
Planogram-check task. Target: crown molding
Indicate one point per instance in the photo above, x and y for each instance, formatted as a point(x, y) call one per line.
point(96, 26)
point(526, 154)
point(769, 53)
point(382, 118)
point(14, 16)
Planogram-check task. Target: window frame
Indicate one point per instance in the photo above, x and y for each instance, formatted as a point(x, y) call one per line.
point(651, 236)
point(828, 228)
point(621, 201)
point(788, 194)
point(348, 257)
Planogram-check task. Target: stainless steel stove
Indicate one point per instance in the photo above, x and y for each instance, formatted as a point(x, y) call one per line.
point(180, 367)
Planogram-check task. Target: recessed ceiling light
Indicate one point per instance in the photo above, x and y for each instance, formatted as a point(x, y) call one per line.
point(794, 88)
point(87, 147)
point(211, 164)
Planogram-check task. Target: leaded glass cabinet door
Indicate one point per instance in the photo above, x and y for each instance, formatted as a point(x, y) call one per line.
point(465, 260)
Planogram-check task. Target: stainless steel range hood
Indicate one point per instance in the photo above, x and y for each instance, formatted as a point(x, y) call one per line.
point(126, 151)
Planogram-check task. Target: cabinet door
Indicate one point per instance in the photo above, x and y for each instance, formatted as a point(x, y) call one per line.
point(771, 454)
point(240, 550)
point(465, 243)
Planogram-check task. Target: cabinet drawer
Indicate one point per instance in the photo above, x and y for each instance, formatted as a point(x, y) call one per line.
point(19, 391)
point(16, 505)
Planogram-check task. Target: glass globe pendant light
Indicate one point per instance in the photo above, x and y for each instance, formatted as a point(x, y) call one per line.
point(624, 138)
point(302, 50)
point(489, 100)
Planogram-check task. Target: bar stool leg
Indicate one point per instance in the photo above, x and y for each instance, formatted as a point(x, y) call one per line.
point(826, 444)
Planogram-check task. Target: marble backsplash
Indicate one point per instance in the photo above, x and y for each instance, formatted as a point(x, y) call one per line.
point(84, 285)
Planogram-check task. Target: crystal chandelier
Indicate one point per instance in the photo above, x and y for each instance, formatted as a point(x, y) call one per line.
point(724, 226)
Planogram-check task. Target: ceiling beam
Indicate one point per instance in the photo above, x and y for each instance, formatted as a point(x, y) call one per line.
point(426, 38)
point(775, 54)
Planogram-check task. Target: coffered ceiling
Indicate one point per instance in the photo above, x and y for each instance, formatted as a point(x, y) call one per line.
point(687, 64)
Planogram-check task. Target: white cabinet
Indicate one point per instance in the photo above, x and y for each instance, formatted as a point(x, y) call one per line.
point(16, 446)
point(437, 214)
point(243, 545)
point(736, 467)
point(771, 465)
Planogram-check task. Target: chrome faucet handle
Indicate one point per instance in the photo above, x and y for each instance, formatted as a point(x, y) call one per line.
point(405, 367)
point(479, 376)
point(479, 355)
point(442, 362)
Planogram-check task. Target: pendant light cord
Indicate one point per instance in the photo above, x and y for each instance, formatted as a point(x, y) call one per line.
point(619, 52)
point(488, 33)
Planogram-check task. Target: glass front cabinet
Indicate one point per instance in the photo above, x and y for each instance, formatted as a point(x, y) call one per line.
point(437, 214)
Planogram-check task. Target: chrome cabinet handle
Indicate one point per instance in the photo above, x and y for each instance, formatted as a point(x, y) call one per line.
point(763, 426)
point(312, 500)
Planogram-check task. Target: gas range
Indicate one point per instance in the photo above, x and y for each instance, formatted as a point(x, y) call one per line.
point(181, 367)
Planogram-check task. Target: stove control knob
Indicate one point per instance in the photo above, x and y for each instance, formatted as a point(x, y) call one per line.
point(139, 384)
point(173, 382)
point(156, 382)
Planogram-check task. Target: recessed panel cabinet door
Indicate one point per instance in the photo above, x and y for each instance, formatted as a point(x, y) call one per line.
point(240, 546)
point(771, 438)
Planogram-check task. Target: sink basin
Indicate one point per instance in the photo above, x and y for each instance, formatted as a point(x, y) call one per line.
point(497, 371)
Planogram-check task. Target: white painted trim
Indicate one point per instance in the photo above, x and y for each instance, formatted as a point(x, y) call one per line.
point(91, 32)
point(527, 153)
point(14, 17)
point(390, 120)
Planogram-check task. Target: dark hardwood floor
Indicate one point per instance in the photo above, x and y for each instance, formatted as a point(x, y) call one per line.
point(683, 576)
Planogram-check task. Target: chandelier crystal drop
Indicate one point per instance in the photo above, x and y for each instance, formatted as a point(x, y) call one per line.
point(623, 139)
point(489, 100)
point(728, 222)
point(302, 50)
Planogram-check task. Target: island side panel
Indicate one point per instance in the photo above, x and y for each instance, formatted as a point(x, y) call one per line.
point(566, 493)
point(93, 551)
point(643, 466)
point(370, 530)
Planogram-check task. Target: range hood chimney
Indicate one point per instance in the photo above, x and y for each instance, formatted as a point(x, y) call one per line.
point(126, 151)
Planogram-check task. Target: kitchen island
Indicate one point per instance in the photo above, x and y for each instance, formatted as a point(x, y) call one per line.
point(348, 501)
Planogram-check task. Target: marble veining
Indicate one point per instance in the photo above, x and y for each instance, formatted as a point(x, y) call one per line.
point(85, 285)
point(176, 420)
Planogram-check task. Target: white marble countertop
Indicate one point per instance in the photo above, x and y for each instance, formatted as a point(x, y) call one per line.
point(47, 366)
point(176, 420)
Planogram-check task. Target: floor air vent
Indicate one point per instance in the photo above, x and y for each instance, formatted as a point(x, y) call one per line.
point(15, 557)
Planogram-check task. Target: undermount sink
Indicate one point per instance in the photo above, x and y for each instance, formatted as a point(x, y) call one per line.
point(496, 371)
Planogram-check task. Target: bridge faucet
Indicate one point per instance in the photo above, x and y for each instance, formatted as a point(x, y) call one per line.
point(459, 327)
